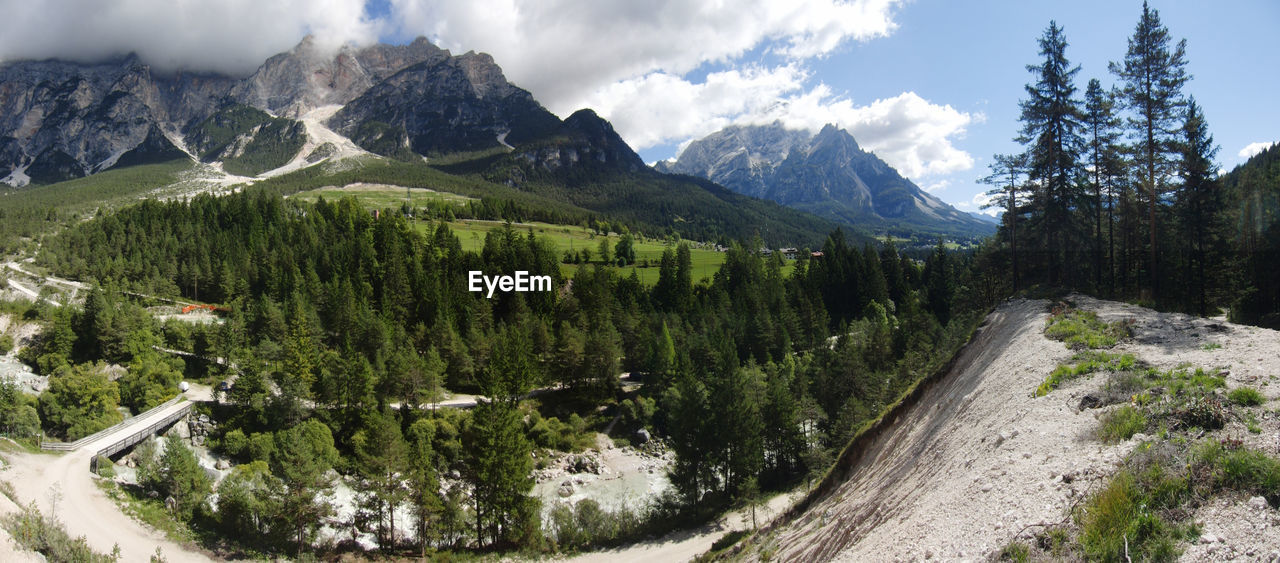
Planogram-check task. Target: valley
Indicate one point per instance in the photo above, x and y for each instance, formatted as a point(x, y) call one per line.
point(813, 282)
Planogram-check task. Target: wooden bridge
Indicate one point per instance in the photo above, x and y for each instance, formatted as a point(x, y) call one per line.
point(122, 436)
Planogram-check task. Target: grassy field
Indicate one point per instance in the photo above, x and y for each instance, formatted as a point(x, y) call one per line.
point(565, 238)
point(380, 196)
point(573, 238)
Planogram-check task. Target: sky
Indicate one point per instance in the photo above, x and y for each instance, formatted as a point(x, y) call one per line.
point(930, 86)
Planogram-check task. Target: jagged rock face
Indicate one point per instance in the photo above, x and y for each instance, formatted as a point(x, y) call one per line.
point(308, 76)
point(827, 174)
point(740, 158)
point(444, 105)
point(63, 120)
point(67, 120)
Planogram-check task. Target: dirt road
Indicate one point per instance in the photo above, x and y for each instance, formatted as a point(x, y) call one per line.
point(61, 486)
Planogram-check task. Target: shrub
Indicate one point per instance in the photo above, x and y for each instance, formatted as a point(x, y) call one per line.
point(49, 538)
point(261, 446)
point(586, 525)
point(79, 402)
point(1085, 363)
point(1198, 411)
point(105, 467)
point(1116, 522)
point(6, 344)
point(1246, 396)
point(1240, 469)
point(1016, 551)
point(1121, 424)
point(1082, 329)
point(234, 443)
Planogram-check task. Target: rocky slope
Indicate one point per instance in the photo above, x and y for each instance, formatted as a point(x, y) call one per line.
point(978, 462)
point(444, 105)
point(62, 120)
point(827, 174)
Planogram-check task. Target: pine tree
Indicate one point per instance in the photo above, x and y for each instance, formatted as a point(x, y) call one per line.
point(1102, 132)
point(940, 283)
point(303, 456)
point(1153, 76)
point(382, 458)
point(1050, 129)
point(424, 480)
point(1199, 204)
point(1006, 175)
point(182, 478)
point(498, 450)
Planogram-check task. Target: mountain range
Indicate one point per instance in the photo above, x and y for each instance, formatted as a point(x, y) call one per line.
point(412, 103)
point(826, 174)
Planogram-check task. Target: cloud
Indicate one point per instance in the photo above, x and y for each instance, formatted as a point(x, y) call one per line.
point(661, 108)
point(1252, 149)
point(565, 50)
point(975, 205)
point(938, 186)
point(233, 36)
point(907, 131)
point(664, 72)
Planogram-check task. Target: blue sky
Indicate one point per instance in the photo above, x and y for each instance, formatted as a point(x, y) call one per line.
point(931, 86)
point(972, 56)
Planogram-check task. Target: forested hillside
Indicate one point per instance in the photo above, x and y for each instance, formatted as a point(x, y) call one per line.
point(343, 325)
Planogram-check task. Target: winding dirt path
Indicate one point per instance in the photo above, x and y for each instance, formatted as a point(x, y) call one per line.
point(62, 487)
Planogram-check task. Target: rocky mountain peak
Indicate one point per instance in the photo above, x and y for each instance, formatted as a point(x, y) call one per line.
point(827, 174)
point(484, 74)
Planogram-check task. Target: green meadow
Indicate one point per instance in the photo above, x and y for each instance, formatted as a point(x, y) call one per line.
point(565, 238)
point(380, 196)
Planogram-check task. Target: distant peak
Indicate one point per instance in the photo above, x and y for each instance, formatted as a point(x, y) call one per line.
point(587, 121)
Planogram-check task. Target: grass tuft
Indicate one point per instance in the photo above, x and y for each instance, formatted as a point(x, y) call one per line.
point(1121, 424)
point(1085, 363)
point(1082, 330)
point(1246, 397)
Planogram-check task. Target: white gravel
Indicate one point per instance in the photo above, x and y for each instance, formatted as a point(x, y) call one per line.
point(979, 460)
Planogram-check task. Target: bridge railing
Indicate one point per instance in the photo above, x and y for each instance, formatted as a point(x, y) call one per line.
point(72, 446)
point(138, 436)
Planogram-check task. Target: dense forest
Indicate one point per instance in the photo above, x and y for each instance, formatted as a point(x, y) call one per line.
point(1116, 191)
point(343, 325)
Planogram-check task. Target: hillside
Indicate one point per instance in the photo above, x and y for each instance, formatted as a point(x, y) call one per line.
point(974, 462)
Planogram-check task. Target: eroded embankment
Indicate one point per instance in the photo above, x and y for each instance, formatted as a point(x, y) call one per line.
point(973, 458)
point(961, 465)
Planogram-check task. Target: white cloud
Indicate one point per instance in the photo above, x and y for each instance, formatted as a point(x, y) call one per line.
point(660, 108)
point(232, 36)
point(633, 62)
point(1254, 148)
point(975, 205)
point(910, 133)
point(938, 186)
point(565, 50)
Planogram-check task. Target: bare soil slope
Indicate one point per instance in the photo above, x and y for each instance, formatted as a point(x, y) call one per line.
point(977, 459)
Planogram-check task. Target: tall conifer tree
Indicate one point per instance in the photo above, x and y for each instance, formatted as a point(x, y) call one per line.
point(1153, 73)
